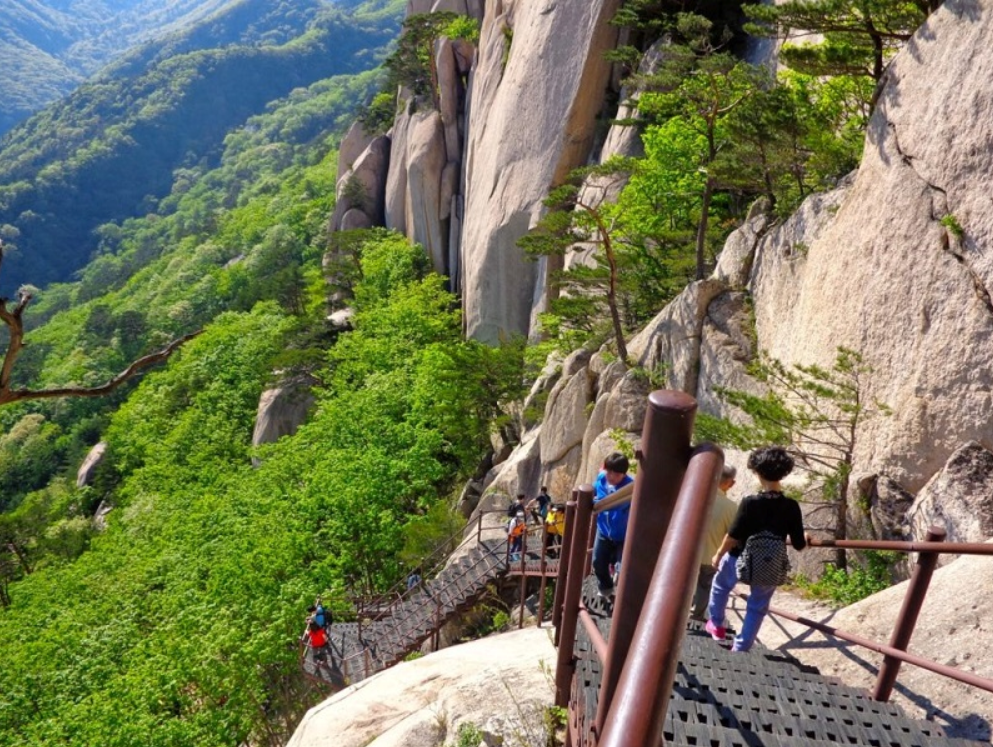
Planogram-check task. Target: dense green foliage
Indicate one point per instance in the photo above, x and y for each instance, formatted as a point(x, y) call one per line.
point(177, 625)
point(111, 149)
point(844, 587)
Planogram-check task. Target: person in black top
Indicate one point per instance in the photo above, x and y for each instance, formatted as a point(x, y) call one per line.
point(769, 511)
point(544, 500)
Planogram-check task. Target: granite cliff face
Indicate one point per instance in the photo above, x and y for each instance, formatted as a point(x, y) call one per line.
point(895, 263)
point(466, 178)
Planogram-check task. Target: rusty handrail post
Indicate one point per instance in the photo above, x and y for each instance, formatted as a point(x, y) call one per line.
point(906, 620)
point(524, 577)
point(590, 539)
point(543, 567)
point(662, 460)
point(570, 605)
point(565, 552)
point(637, 713)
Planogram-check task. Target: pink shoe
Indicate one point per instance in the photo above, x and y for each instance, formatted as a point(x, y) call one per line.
point(717, 632)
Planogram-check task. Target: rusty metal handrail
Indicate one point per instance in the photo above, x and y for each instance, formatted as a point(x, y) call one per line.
point(638, 708)
point(620, 497)
point(596, 637)
point(947, 548)
point(662, 463)
point(881, 648)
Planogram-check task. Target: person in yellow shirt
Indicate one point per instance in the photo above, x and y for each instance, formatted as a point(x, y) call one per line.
point(722, 513)
point(555, 528)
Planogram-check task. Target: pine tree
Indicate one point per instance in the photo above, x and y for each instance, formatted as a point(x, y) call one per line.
point(814, 412)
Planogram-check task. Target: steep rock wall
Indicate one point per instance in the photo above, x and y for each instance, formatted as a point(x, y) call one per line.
point(896, 263)
point(536, 89)
point(886, 277)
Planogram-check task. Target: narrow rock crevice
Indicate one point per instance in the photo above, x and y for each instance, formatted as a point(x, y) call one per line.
point(950, 243)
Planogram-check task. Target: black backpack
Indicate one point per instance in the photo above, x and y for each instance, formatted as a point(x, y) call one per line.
point(763, 561)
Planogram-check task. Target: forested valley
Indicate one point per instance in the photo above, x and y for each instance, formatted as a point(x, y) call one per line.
point(177, 624)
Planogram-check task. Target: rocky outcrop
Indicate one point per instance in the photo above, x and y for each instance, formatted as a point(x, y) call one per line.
point(282, 410)
point(536, 89)
point(360, 192)
point(94, 458)
point(497, 684)
point(670, 343)
point(958, 498)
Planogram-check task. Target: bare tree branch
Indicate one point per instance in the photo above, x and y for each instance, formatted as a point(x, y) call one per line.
point(15, 326)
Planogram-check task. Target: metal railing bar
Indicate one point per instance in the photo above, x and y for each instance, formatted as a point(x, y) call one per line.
point(881, 648)
point(618, 498)
point(950, 548)
point(593, 631)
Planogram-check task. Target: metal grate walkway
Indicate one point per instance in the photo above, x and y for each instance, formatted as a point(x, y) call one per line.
point(760, 699)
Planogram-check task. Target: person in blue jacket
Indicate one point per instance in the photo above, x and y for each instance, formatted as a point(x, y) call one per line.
point(611, 525)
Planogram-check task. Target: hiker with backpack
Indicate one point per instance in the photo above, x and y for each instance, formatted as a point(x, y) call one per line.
point(754, 548)
point(540, 505)
point(321, 614)
point(516, 505)
point(315, 636)
point(515, 532)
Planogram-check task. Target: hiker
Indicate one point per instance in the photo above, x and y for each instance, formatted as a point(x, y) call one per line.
point(517, 505)
point(315, 637)
point(515, 532)
point(768, 514)
point(554, 529)
point(722, 513)
point(611, 525)
point(414, 579)
point(543, 501)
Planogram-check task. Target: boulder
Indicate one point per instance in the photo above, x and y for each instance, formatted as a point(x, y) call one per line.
point(355, 141)
point(518, 474)
point(282, 410)
point(734, 265)
point(565, 416)
point(726, 347)
point(451, 95)
point(425, 164)
point(363, 186)
point(559, 476)
point(959, 498)
point(627, 403)
point(94, 458)
point(395, 197)
point(889, 506)
point(353, 219)
point(671, 341)
point(498, 684)
point(533, 109)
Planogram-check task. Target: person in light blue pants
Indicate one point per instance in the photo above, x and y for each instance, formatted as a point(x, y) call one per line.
point(766, 511)
point(755, 611)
